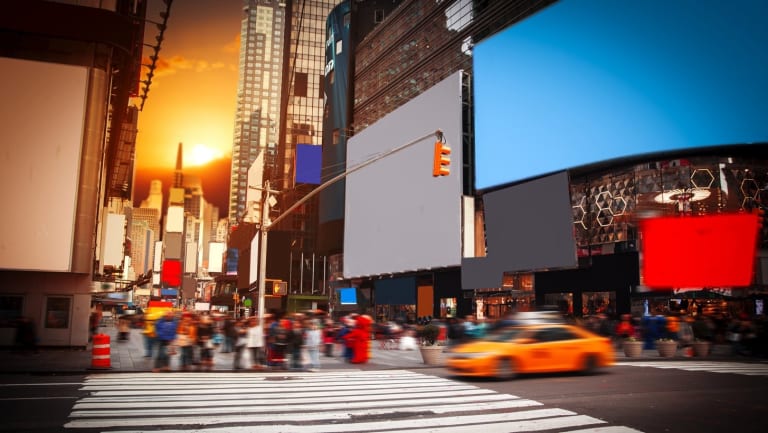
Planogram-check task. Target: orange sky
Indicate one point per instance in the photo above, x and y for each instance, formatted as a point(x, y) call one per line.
point(192, 97)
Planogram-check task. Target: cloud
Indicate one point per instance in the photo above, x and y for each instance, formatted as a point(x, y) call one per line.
point(233, 46)
point(169, 66)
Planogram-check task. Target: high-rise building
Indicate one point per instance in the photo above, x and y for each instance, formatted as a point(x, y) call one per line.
point(257, 115)
point(303, 96)
point(145, 230)
point(155, 198)
point(279, 106)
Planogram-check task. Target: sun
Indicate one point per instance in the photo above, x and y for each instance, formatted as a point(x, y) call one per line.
point(201, 154)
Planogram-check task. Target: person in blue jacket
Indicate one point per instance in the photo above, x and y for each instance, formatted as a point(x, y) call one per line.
point(165, 332)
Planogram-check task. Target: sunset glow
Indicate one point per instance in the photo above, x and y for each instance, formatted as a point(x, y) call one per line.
point(201, 154)
point(192, 97)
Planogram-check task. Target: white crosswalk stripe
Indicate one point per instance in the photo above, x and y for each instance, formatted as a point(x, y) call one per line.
point(746, 368)
point(328, 401)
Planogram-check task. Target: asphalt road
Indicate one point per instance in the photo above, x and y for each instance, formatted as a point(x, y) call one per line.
point(653, 399)
point(649, 399)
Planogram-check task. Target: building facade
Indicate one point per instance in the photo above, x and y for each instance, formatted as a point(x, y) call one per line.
point(585, 259)
point(280, 102)
point(400, 51)
point(93, 54)
point(257, 116)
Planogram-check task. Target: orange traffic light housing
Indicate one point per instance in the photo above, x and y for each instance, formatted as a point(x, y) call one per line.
point(441, 164)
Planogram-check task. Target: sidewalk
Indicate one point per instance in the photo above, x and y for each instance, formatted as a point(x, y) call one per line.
point(128, 356)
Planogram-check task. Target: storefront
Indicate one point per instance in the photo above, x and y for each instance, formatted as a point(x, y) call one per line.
point(406, 299)
point(604, 287)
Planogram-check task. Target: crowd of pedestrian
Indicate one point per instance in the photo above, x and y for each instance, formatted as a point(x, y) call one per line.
point(297, 341)
point(293, 341)
point(746, 335)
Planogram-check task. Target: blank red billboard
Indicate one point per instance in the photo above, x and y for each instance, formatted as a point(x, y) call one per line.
point(171, 273)
point(703, 251)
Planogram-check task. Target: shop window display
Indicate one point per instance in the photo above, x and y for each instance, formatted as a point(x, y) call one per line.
point(448, 307)
point(563, 301)
point(598, 303)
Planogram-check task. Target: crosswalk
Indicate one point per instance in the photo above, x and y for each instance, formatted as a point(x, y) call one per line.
point(749, 369)
point(327, 401)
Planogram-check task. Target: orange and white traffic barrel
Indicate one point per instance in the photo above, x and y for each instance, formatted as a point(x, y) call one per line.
point(100, 354)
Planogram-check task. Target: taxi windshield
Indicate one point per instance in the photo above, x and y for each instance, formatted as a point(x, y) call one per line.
point(504, 334)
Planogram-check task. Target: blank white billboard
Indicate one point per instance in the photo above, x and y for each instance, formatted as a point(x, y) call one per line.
point(254, 259)
point(398, 217)
point(216, 256)
point(157, 264)
point(175, 220)
point(113, 249)
point(190, 258)
point(42, 116)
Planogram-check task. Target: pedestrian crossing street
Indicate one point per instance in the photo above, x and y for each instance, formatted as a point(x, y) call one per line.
point(749, 369)
point(326, 401)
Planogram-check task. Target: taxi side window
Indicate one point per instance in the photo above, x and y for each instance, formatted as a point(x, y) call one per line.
point(554, 334)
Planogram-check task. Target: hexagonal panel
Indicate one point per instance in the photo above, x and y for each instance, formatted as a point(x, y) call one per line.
point(749, 188)
point(618, 206)
point(702, 178)
point(603, 200)
point(604, 217)
point(579, 213)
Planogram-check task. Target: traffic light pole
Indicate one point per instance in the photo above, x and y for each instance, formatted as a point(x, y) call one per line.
point(266, 224)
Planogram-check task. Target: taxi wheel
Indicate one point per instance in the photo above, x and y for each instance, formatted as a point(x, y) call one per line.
point(589, 365)
point(505, 369)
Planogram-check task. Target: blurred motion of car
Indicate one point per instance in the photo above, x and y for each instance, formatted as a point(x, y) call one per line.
point(537, 348)
point(531, 318)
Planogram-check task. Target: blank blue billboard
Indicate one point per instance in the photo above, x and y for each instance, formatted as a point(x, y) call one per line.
point(309, 159)
point(585, 81)
point(347, 296)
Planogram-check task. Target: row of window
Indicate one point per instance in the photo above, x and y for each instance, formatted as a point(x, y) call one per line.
point(58, 311)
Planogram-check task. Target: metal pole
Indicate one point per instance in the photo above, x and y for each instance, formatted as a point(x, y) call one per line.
point(263, 253)
point(301, 274)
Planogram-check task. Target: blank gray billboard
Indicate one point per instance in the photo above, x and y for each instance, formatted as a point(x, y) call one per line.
point(528, 227)
point(398, 217)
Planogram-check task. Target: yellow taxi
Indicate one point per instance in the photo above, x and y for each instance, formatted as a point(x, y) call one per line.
point(538, 348)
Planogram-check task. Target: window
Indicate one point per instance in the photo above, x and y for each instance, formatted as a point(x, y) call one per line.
point(57, 309)
point(378, 15)
point(554, 334)
point(11, 307)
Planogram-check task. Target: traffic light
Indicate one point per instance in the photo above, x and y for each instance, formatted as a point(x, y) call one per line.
point(441, 165)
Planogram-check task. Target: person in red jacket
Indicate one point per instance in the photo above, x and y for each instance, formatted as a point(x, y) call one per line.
point(624, 329)
point(360, 338)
